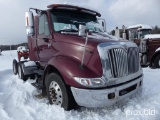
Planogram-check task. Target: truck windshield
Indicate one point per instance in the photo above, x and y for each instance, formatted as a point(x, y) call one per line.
point(68, 21)
point(143, 32)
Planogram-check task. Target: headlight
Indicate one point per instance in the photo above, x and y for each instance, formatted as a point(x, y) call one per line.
point(91, 82)
point(143, 46)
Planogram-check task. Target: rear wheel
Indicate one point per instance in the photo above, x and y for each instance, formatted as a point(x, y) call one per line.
point(15, 67)
point(21, 74)
point(58, 93)
point(157, 61)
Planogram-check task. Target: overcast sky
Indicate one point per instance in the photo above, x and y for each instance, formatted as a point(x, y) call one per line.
point(116, 13)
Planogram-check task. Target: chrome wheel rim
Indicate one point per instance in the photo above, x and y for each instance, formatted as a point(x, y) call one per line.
point(55, 93)
point(19, 71)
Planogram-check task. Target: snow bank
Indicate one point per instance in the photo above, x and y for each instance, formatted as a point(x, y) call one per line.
point(140, 26)
point(6, 59)
point(17, 100)
point(22, 49)
point(152, 36)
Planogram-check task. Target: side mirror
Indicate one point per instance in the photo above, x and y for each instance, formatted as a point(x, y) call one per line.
point(82, 30)
point(29, 23)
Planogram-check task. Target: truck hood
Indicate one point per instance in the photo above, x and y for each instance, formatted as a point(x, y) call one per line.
point(152, 36)
point(93, 39)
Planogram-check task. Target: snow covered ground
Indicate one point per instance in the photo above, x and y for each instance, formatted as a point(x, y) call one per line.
point(17, 101)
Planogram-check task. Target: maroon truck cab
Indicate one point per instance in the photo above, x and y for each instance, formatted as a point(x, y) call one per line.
point(150, 50)
point(149, 44)
point(76, 61)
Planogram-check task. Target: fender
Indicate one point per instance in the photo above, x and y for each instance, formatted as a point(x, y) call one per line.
point(158, 49)
point(70, 68)
point(157, 52)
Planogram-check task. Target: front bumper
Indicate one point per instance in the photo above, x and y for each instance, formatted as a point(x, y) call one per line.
point(99, 98)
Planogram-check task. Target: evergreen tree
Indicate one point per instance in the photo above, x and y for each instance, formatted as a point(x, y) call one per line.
point(156, 30)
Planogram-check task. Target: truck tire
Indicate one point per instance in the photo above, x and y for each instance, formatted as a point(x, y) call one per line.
point(15, 67)
point(58, 93)
point(21, 74)
point(157, 61)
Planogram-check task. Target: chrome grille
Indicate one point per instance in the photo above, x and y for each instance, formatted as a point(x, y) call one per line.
point(123, 62)
point(133, 60)
point(118, 60)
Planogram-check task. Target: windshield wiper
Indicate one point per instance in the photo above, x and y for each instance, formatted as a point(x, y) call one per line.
point(93, 31)
point(68, 30)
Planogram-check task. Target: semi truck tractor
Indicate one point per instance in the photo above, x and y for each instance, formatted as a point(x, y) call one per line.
point(150, 50)
point(74, 61)
point(149, 44)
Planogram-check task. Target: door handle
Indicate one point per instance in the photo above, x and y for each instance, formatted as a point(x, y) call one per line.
point(49, 45)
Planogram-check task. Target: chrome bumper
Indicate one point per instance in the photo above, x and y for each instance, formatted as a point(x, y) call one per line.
point(99, 98)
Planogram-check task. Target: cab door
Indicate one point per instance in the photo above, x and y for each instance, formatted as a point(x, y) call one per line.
point(44, 39)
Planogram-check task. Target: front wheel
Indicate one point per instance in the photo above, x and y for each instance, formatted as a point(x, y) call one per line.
point(157, 61)
point(57, 92)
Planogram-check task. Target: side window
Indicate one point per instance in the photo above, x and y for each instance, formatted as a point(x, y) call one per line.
point(43, 25)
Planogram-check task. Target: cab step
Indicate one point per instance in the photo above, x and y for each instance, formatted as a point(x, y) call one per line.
point(39, 72)
point(38, 86)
